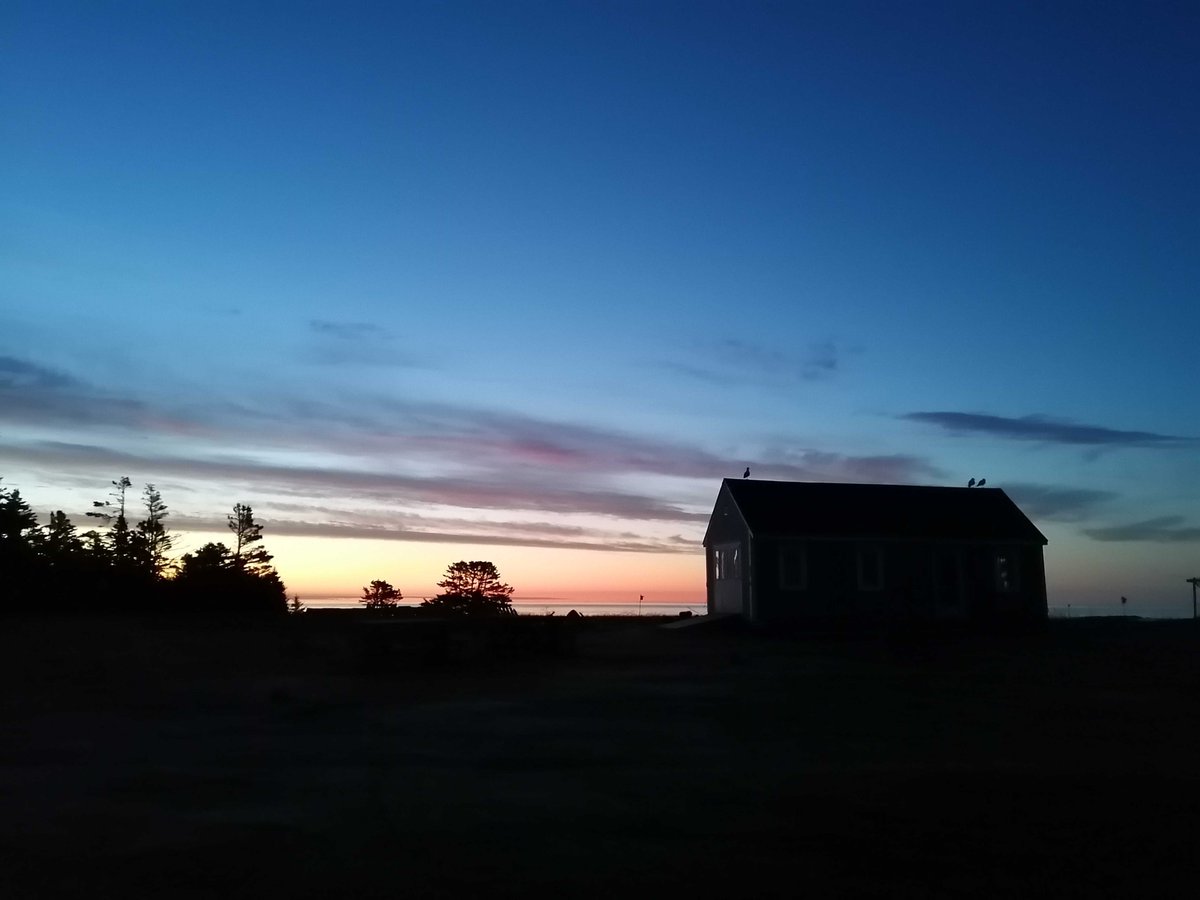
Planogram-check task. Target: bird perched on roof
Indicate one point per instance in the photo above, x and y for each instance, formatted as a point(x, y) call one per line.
point(971, 483)
point(746, 474)
point(982, 482)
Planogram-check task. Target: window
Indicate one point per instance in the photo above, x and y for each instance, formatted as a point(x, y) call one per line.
point(870, 569)
point(727, 563)
point(1006, 572)
point(793, 566)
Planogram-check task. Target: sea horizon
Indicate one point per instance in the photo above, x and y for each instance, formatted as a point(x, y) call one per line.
point(561, 606)
point(545, 606)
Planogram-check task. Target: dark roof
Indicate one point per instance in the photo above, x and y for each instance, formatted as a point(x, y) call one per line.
point(880, 511)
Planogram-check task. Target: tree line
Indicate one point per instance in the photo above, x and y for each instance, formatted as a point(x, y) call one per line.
point(469, 588)
point(119, 567)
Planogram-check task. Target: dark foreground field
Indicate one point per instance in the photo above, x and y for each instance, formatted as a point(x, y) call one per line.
point(288, 759)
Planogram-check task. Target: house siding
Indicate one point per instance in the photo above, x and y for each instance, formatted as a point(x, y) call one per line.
point(920, 579)
point(872, 552)
point(727, 528)
point(832, 584)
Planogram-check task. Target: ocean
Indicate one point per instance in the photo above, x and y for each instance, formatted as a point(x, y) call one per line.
point(546, 607)
point(1075, 611)
point(559, 607)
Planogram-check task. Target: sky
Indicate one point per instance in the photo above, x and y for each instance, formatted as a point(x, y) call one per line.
point(522, 281)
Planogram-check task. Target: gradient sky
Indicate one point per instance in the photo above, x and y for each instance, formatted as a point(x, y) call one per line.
point(523, 281)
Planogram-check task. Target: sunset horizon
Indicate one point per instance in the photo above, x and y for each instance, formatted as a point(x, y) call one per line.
point(523, 282)
point(599, 448)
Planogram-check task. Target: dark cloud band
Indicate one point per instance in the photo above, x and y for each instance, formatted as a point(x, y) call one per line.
point(1044, 429)
point(1042, 501)
point(1161, 530)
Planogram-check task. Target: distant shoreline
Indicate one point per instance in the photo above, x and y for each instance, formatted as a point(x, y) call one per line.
point(1091, 612)
point(1064, 611)
point(535, 607)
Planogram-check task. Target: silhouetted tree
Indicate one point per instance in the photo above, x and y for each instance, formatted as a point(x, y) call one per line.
point(126, 566)
point(152, 541)
point(268, 594)
point(112, 512)
point(62, 544)
point(18, 523)
point(472, 589)
point(380, 595)
point(210, 580)
point(247, 533)
point(124, 569)
point(66, 566)
point(20, 540)
point(211, 557)
point(206, 579)
point(239, 580)
point(93, 542)
point(94, 549)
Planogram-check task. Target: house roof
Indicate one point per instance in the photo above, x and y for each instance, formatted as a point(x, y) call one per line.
point(884, 511)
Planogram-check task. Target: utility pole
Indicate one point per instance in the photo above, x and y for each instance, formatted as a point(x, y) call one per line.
point(1193, 582)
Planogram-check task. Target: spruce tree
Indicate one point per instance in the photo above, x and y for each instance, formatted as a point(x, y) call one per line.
point(248, 555)
point(19, 544)
point(153, 541)
point(112, 512)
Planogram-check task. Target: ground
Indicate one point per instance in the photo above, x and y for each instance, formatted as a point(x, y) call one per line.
point(189, 760)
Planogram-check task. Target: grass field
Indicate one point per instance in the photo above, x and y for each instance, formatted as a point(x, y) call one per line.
point(307, 759)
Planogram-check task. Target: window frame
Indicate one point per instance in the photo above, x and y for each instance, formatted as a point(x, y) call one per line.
point(727, 562)
point(1006, 571)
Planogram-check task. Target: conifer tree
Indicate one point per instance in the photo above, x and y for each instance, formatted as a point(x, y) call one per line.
point(18, 522)
point(153, 540)
point(248, 556)
point(61, 545)
point(380, 595)
point(112, 512)
point(19, 541)
point(472, 588)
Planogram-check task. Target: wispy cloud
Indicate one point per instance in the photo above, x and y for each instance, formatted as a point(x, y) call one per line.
point(1044, 429)
point(1161, 530)
point(354, 343)
point(735, 361)
point(21, 374)
point(31, 393)
point(487, 534)
point(347, 331)
point(820, 465)
point(1062, 504)
point(379, 506)
point(398, 457)
point(479, 493)
point(500, 446)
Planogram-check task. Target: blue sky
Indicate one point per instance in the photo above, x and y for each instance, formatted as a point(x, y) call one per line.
point(516, 281)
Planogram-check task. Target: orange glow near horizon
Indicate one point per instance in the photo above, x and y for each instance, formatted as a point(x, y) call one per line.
point(330, 567)
point(315, 568)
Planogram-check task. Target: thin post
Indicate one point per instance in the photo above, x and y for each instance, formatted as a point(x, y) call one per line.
point(1193, 582)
